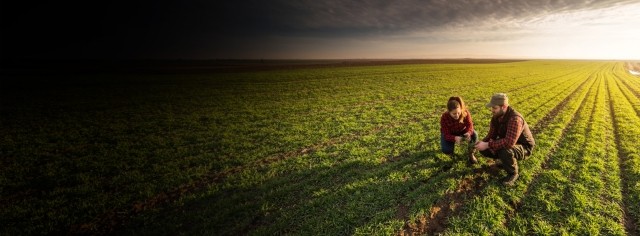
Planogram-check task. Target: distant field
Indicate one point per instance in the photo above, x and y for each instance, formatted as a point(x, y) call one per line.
point(39, 67)
point(310, 150)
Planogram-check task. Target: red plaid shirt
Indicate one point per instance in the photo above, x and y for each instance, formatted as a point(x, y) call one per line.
point(514, 129)
point(452, 128)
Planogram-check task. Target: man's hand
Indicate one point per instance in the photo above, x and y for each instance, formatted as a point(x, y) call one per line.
point(458, 139)
point(482, 146)
point(467, 137)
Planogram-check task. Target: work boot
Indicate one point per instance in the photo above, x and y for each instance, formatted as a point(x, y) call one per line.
point(510, 179)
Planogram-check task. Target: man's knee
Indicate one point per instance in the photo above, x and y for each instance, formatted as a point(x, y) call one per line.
point(508, 158)
point(447, 150)
point(518, 152)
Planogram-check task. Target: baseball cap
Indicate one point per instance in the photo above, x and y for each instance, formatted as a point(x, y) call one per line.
point(498, 99)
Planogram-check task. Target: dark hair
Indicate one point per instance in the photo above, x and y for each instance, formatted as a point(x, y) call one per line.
point(456, 102)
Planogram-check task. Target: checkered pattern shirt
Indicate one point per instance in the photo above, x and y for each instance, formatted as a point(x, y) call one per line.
point(514, 129)
point(452, 128)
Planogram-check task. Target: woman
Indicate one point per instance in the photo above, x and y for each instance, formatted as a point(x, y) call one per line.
point(456, 125)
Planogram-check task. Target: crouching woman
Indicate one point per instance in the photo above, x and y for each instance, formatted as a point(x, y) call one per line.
point(456, 126)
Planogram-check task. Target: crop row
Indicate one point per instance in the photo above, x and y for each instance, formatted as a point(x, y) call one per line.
point(626, 121)
point(629, 85)
point(579, 190)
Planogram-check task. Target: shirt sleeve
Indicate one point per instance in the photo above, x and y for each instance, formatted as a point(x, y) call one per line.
point(514, 129)
point(492, 130)
point(444, 128)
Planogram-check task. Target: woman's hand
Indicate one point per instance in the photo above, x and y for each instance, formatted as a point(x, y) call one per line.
point(458, 139)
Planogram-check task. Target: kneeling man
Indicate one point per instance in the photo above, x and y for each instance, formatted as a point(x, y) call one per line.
point(509, 138)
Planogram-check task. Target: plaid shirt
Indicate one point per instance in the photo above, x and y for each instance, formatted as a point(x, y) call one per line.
point(514, 129)
point(452, 128)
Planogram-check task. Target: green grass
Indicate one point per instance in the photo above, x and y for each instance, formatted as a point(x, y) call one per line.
point(348, 150)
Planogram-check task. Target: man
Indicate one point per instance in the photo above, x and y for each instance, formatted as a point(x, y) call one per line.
point(509, 138)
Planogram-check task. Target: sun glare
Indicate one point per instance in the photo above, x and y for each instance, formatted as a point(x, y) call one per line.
point(610, 33)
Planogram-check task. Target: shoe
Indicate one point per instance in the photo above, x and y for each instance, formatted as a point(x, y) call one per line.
point(472, 159)
point(510, 179)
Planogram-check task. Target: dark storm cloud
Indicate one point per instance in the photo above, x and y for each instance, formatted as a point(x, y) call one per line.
point(417, 14)
point(263, 21)
point(216, 29)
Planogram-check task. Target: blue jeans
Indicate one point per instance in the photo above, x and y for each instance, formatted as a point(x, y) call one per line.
point(448, 147)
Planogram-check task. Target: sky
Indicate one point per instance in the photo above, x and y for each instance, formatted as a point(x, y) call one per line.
point(329, 29)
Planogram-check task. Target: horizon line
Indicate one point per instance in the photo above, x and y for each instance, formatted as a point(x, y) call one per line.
point(305, 59)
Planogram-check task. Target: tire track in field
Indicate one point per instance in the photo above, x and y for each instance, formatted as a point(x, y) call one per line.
point(545, 164)
point(452, 202)
point(107, 222)
point(628, 221)
point(435, 222)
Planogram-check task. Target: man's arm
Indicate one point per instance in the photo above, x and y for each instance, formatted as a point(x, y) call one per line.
point(491, 134)
point(514, 129)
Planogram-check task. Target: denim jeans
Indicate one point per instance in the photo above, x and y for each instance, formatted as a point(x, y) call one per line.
point(448, 147)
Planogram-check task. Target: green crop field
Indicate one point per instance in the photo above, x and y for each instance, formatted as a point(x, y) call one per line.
point(317, 151)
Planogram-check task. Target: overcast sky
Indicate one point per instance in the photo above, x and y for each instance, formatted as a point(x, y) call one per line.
point(329, 29)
